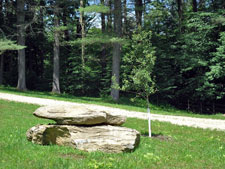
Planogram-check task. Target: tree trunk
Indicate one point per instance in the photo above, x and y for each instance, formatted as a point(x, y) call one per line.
point(202, 4)
point(1, 13)
point(125, 24)
point(64, 20)
point(82, 23)
point(78, 27)
point(144, 10)
point(103, 18)
point(1, 69)
point(103, 53)
point(138, 12)
point(1, 54)
point(180, 9)
point(180, 13)
point(194, 5)
point(21, 85)
point(116, 49)
point(109, 16)
point(55, 84)
point(40, 69)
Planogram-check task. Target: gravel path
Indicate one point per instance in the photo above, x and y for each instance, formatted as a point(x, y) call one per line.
point(177, 120)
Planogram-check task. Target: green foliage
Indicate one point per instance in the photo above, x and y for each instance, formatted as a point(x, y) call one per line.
point(97, 69)
point(198, 46)
point(164, 26)
point(138, 65)
point(214, 80)
point(91, 72)
point(9, 45)
point(99, 165)
point(95, 35)
point(103, 39)
point(218, 66)
point(184, 56)
point(95, 8)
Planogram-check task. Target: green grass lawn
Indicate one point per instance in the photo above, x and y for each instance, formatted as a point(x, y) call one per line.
point(125, 103)
point(171, 147)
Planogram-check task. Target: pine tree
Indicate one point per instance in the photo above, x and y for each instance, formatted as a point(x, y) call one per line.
point(214, 87)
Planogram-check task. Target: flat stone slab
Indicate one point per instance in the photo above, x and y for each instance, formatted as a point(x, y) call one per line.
point(78, 115)
point(105, 138)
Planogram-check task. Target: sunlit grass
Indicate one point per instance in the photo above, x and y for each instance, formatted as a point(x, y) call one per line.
point(171, 147)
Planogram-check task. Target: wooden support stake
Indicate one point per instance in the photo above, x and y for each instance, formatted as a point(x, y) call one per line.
point(149, 123)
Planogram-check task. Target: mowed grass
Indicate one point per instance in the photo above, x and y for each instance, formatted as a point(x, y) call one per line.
point(124, 103)
point(171, 147)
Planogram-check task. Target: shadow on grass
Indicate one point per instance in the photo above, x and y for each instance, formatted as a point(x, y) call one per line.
point(158, 136)
point(73, 156)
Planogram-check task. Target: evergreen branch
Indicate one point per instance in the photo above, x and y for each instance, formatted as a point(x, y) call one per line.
point(95, 8)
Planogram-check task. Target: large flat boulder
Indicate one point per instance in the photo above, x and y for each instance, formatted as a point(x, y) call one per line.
point(78, 115)
point(105, 138)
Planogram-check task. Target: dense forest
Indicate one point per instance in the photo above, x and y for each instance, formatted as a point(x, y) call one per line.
point(176, 48)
